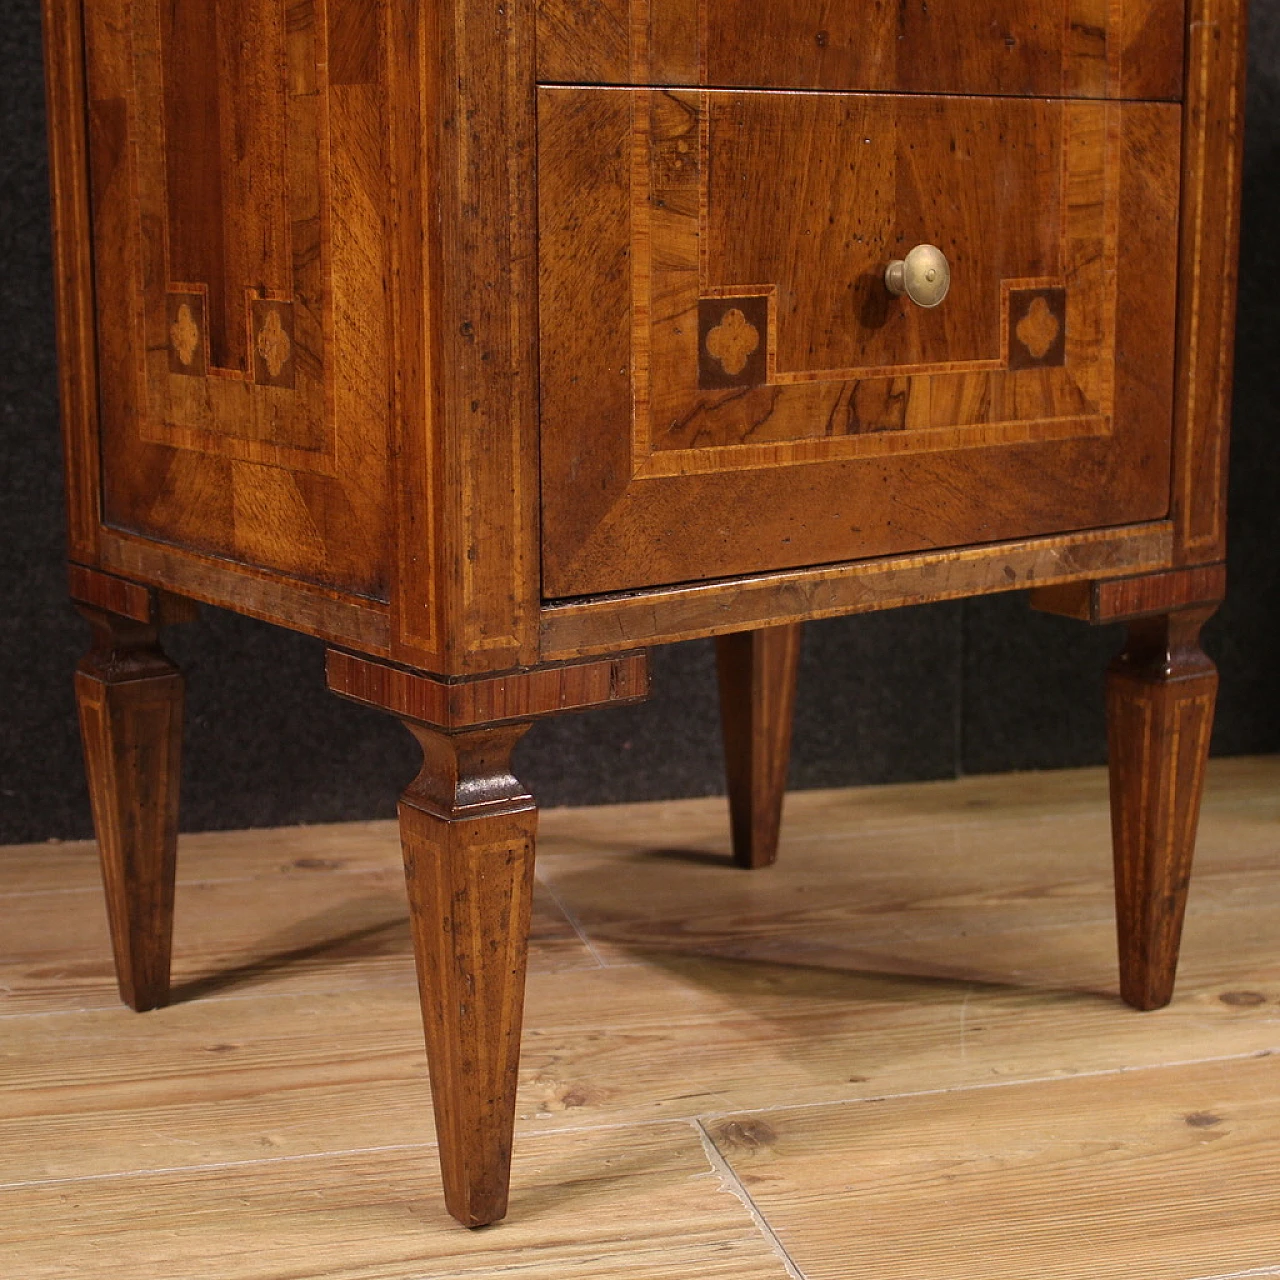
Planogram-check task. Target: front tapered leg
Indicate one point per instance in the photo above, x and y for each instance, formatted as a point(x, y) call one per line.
point(467, 830)
point(1160, 700)
point(757, 671)
point(130, 701)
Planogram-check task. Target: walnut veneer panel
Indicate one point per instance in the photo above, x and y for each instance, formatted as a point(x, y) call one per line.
point(240, 197)
point(727, 387)
point(1073, 48)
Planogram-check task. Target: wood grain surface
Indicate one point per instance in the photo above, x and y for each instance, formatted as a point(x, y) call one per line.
point(1129, 48)
point(1134, 597)
point(1164, 1180)
point(130, 699)
point(1212, 155)
point(309, 266)
point(484, 700)
point(757, 676)
point(65, 100)
point(845, 423)
point(950, 1041)
point(1161, 692)
point(578, 627)
point(467, 829)
point(239, 204)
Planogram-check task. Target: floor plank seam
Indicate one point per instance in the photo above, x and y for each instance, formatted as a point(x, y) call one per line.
point(522, 1135)
point(1242, 1275)
point(730, 1182)
point(215, 1166)
point(195, 882)
point(1250, 1056)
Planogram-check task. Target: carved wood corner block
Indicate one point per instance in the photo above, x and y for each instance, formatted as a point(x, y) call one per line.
point(1166, 647)
point(467, 773)
point(128, 599)
point(125, 618)
point(454, 705)
point(1150, 594)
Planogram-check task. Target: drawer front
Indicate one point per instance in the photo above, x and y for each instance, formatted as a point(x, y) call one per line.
point(728, 386)
point(1068, 48)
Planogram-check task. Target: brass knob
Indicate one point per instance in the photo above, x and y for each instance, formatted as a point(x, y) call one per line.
point(923, 275)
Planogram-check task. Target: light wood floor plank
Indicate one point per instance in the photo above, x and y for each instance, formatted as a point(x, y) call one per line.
point(298, 1074)
point(914, 945)
point(301, 931)
point(961, 896)
point(1165, 1174)
point(291, 852)
point(621, 1204)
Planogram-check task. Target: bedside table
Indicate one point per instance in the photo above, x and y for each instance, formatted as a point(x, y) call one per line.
point(492, 343)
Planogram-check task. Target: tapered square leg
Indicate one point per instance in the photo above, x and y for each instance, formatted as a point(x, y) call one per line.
point(130, 700)
point(757, 672)
point(467, 831)
point(1160, 701)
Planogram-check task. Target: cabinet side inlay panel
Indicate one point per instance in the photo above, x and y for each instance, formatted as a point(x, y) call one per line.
point(241, 216)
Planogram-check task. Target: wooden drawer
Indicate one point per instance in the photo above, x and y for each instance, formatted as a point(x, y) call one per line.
point(728, 387)
point(1051, 48)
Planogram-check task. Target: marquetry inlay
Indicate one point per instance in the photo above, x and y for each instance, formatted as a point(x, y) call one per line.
point(1038, 318)
point(241, 195)
point(273, 343)
point(185, 335)
point(733, 348)
point(791, 304)
point(732, 341)
point(185, 314)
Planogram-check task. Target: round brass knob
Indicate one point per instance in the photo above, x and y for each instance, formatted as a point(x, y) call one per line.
point(923, 275)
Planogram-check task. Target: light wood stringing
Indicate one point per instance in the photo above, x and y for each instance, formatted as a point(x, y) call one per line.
point(1212, 153)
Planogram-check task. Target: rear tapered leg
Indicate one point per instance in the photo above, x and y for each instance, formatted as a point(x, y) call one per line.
point(757, 671)
point(1160, 701)
point(467, 831)
point(130, 699)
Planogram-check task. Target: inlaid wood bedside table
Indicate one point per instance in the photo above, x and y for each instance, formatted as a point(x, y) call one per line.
point(492, 342)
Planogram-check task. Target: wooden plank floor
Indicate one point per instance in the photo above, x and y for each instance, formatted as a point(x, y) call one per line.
point(898, 1054)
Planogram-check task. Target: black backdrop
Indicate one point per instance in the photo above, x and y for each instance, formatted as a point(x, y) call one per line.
point(928, 692)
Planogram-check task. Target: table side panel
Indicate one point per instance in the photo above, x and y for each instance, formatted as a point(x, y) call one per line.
point(241, 212)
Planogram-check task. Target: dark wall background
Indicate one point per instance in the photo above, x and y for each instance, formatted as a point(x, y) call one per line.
point(929, 692)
